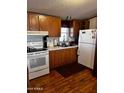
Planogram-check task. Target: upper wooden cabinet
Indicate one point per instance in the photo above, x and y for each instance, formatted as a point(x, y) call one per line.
point(55, 27)
point(93, 23)
point(50, 24)
point(44, 22)
point(76, 27)
point(27, 22)
point(85, 24)
point(65, 23)
point(89, 23)
point(37, 22)
point(33, 22)
point(75, 24)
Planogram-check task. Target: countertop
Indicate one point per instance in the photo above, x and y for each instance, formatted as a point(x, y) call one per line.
point(59, 47)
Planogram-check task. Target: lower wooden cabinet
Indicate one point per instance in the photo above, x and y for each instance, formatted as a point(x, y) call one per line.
point(62, 57)
point(54, 58)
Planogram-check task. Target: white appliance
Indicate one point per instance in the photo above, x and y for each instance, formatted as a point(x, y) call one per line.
point(38, 63)
point(86, 47)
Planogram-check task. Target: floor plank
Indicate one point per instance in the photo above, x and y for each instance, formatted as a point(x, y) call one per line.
point(82, 82)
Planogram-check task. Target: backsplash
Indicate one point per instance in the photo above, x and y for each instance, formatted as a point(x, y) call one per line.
point(34, 41)
point(33, 38)
point(52, 41)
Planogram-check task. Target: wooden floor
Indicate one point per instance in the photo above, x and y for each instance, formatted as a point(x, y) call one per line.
point(82, 82)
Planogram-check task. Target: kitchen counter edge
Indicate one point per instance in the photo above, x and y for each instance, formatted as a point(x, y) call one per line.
point(59, 48)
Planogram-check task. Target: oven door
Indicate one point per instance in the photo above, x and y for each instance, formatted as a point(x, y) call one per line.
point(38, 62)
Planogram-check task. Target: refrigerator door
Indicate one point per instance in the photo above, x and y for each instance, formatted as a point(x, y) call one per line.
point(86, 54)
point(87, 36)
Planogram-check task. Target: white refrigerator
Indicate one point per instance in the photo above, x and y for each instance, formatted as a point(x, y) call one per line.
point(86, 47)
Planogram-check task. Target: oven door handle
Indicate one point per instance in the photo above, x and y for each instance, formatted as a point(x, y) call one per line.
point(37, 53)
point(41, 53)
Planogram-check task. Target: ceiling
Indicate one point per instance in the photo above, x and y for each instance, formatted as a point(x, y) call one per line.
point(77, 9)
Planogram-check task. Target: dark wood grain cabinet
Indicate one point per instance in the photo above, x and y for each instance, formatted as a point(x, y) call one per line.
point(28, 22)
point(33, 22)
point(54, 59)
point(62, 57)
point(76, 27)
point(65, 23)
point(75, 24)
point(38, 22)
point(44, 22)
point(85, 24)
point(55, 27)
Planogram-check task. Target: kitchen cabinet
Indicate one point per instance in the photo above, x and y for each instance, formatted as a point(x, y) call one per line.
point(76, 27)
point(44, 22)
point(28, 22)
point(38, 22)
point(89, 23)
point(85, 24)
point(50, 24)
point(62, 57)
point(65, 23)
point(33, 22)
point(65, 56)
point(93, 23)
point(73, 24)
point(73, 55)
point(54, 58)
point(55, 27)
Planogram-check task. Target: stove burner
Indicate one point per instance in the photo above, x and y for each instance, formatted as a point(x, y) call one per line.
point(29, 49)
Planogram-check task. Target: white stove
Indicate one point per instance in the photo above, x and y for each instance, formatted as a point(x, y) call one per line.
point(38, 61)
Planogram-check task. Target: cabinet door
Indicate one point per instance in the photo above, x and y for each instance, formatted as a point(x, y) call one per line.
point(69, 56)
point(85, 24)
point(55, 59)
point(76, 27)
point(65, 56)
point(62, 57)
point(44, 22)
point(93, 23)
point(28, 22)
point(52, 59)
point(55, 27)
point(73, 55)
point(33, 22)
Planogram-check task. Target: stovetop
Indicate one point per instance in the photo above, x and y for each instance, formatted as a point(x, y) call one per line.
point(31, 49)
